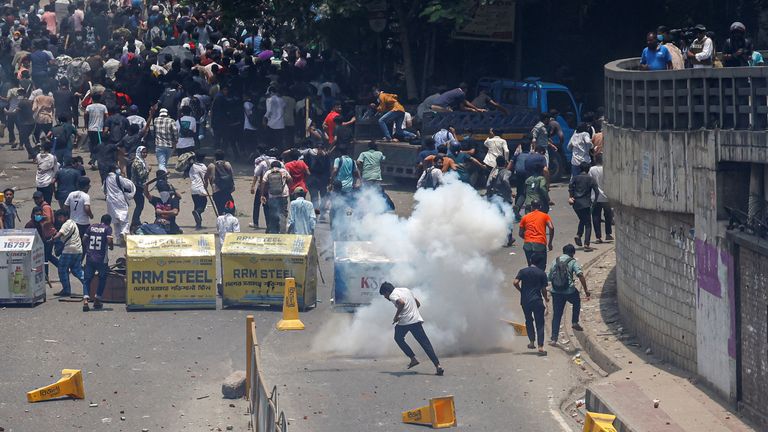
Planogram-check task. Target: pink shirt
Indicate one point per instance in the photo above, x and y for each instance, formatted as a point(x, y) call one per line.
point(49, 18)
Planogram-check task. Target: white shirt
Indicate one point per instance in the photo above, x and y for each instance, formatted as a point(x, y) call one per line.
point(580, 144)
point(596, 172)
point(497, 146)
point(186, 142)
point(137, 120)
point(706, 53)
point(96, 113)
point(71, 238)
point(196, 175)
point(77, 201)
point(248, 108)
point(226, 223)
point(47, 167)
point(410, 313)
point(110, 67)
point(275, 112)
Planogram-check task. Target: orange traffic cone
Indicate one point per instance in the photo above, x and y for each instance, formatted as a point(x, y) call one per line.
point(70, 384)
point(440, 413)
point(290, 319)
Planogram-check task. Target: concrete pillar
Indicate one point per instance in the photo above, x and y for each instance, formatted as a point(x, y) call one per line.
point(757, 181)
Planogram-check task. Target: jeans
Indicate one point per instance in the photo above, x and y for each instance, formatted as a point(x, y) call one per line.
point(558, 308)
point(533, 249)
point(277, 215)
point(319, 195)
point(391, 116)
point(520, 189)
point(417, 330)
point(200, 202)
point(49, 256)
point(71, 262)
point(220, 198)
point(606, 209)
point(575, 170)
point(63, 154)
point(90, 271)
point(43, 128)
point(10, 122)
point(47, 192)
point(534, 312)
point(94, 140)
point(585, 224)
point(163, 154)
point(25, 130)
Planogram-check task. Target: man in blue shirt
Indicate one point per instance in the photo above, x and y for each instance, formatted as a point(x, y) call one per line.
point(301, 218)
point(655, 57)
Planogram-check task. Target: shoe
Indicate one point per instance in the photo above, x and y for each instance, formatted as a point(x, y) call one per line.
point(61, 293)
point(588, 249)
point(413, 363)
point(577, 240)
point(599, 241)
point(553, 343)
point(97, 304)
point(531, 346)
point(85, 305)
point(440, 371)
point(609, 238)
point(253, 225)
point(578, 327)
point(542, 353)
point(198, 218)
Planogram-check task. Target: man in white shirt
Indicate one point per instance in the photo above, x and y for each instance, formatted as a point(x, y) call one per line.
point(408, 319)
point(197, 176)
point(71, 256)
point(78, 203)
point(497, 146)
point(274, 119)
point(95, 113)
point(187, 126)
point(600, 206)
point(274, 193)
point(250, 124)
point(135, 118)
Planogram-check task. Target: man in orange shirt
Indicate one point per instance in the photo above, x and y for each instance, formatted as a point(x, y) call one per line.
point(448, 163)
point(330, 126)
point(393, 113)
point(533, 230)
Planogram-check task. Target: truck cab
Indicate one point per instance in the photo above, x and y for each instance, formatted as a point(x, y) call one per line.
point(541, 96)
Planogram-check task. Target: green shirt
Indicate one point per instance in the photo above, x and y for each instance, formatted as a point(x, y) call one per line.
point(536, 190)
point(371, 161)
point(574, 270)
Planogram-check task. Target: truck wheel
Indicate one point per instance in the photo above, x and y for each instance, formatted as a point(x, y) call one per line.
point(557, 166)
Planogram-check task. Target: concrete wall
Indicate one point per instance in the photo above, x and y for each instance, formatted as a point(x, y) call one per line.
point(676, 272)
point(657, 282)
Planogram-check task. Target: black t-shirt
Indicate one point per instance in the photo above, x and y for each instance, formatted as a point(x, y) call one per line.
point(64, 102)
point(532, 279)
point(67, 180)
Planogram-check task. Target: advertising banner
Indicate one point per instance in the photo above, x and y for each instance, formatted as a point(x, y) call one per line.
point(358, 273)
point(22, 276)
point(254, 268)
point(492, 22)
point(171, 272)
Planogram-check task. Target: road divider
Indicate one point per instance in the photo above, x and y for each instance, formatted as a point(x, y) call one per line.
point(440, 413)
point(263, 406)
point(70, 384)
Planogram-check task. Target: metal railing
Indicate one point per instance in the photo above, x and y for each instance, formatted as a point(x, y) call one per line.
point(263, 406)
point(710, 98)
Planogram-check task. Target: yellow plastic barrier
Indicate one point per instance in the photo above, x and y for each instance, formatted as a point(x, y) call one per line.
point(290, 319)
point(440, 413)
point(70, 384)
point(599, 422)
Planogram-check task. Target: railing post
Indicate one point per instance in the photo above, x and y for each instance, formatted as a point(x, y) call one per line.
point(248, 354)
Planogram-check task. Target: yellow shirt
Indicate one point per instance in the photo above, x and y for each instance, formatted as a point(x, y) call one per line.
point(388, 102)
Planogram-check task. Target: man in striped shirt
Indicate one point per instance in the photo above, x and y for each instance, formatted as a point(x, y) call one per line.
point(166, 137)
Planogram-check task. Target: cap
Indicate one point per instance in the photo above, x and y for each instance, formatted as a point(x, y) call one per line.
point(737, 26)
point(700, 27)
point(299, 190)
point(163, 111)
point(155, 8)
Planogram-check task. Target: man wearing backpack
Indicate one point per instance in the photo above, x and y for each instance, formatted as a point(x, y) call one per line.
point(344, 178)
point(432, 177)
point(274, 193)
point(222, 177)
point(562, 276)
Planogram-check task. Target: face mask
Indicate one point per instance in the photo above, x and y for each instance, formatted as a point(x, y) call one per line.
point(38, 218)
point(660, 38)
point(165, 196)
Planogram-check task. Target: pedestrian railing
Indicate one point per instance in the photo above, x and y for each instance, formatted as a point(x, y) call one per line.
point(263, 405)
point(710, 98)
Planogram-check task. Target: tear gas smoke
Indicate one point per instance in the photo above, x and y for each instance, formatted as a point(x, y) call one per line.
point(440, 252)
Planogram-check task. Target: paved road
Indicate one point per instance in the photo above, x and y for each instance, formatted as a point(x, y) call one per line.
point(163, 369)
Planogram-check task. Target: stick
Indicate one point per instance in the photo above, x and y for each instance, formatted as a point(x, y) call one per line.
point(213, 204)
point(319, 269)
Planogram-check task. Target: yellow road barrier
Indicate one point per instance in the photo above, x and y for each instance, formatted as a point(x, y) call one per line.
point(599, 422)
point(70, 384)
point(440, 413)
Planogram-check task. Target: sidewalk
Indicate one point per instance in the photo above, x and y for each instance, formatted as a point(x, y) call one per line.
point(637, 379)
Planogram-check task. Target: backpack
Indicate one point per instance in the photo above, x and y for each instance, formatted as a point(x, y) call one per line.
point(429, 181)
point(222, 177)
point(561, 275)
point(275, 183)
point(185, 161)
point(168, 100)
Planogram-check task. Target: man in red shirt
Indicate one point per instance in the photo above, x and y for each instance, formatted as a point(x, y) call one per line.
point(533, 230)
point(329, 125)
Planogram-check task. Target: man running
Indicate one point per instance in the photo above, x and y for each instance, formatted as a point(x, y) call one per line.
point(408, 319)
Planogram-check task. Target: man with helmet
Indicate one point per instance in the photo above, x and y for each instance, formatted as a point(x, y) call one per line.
point(737, 50)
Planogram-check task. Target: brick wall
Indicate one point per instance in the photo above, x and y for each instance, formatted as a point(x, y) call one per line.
point(753, 290)
point(656, 282)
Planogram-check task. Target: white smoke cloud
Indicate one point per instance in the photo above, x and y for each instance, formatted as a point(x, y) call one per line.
point(441, 252)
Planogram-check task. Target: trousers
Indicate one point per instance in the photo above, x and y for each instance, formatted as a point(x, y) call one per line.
point(558, 309)
point(534, 313)
point(417, 330)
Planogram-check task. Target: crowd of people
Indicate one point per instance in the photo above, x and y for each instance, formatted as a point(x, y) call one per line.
point(676, 49)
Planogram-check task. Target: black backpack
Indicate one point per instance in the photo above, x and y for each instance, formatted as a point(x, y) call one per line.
point(222, 177)
point(560, 275)
point(429, 181)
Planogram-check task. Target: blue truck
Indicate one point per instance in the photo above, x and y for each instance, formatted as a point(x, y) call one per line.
point(524, 101)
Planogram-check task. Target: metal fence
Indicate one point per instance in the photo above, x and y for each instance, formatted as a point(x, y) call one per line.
point(710, 98)
point(263, 405)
